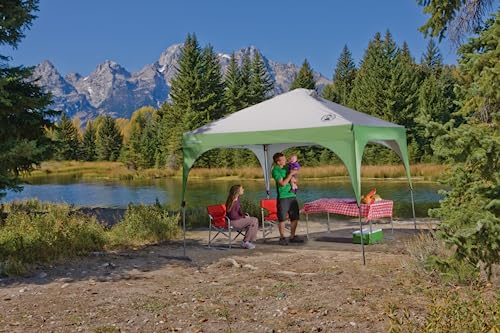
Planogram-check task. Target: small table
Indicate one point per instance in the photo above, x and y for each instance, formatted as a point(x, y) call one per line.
point(348, 207)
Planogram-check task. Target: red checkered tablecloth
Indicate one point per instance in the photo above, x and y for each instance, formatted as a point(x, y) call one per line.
point(349, 207)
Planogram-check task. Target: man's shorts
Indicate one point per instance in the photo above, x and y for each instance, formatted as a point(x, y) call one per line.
point(288, 206)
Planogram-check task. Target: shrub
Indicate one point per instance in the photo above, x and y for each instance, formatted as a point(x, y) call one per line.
point(144, 224)
point(30, 235)
point(429, 253)
point(455, 310)
point(250, 207)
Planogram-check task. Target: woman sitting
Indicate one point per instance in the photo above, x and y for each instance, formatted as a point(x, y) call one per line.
point(239, 220)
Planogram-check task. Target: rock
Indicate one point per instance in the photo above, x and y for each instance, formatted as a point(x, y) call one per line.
point(64, 285)
point(41, 275)
point(108, 265)
point(65, 280)
point(233, 262)
point(253, 268)
point(288, 273)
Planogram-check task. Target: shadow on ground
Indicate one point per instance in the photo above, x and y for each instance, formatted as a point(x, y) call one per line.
point(130, 264)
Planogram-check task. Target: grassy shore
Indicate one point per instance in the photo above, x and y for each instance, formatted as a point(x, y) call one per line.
point(118, 170)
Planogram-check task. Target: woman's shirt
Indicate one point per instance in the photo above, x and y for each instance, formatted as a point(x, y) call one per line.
point(235, 212)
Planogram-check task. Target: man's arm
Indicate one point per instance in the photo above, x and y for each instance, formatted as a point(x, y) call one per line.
point(283, 182)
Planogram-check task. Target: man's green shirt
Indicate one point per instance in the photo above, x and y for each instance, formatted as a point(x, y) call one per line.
point(283, 191)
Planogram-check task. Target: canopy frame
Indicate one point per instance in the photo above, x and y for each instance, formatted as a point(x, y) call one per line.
point(346, 140)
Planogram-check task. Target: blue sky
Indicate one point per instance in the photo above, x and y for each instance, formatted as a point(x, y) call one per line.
point(78, 35)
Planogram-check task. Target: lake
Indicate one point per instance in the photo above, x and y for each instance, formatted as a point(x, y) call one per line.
point(200, 193)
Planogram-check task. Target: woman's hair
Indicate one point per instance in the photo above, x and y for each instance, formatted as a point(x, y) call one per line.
point(233, 192)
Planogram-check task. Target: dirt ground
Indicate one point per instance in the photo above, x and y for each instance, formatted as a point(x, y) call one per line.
point(319, 286)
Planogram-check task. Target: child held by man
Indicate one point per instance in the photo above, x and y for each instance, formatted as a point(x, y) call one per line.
point(293, 164)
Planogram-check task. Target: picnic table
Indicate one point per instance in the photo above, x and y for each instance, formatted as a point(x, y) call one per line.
point(348, 207)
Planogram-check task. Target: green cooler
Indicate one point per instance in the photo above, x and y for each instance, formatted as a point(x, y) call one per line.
point(375, 236)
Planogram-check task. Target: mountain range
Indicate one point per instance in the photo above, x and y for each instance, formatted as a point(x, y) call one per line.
point(111, 89)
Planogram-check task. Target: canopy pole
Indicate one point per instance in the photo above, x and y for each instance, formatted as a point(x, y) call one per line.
point(413, 208)
point(266, 167)
point(184, 226)
point(361, 232)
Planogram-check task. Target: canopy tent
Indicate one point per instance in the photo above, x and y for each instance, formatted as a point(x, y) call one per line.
point(297, 118)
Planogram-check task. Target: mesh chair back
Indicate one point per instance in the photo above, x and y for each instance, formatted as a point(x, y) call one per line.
point(271, 206)
point(218, 215)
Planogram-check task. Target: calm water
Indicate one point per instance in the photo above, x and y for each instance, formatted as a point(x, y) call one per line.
point(118, 194)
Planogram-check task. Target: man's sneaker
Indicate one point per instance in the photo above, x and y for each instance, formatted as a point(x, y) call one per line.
point(296, 239)
point(283, 241)
point(247, 245)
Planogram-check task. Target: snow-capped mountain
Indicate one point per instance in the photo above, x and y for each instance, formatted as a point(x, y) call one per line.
point(111, 89)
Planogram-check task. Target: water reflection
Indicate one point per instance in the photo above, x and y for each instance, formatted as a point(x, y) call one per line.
point(117, 194)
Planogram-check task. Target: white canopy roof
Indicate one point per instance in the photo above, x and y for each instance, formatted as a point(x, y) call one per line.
point(299, 108)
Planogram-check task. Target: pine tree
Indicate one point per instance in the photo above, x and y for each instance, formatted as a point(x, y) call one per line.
point(213, 84)
point(375, 90)
point(329, 93)
point(23, 105)
point(234, 97)
point(372, 80)
point(109, 140)
point(402, 95)
point(246, 79)
point(436, 105)
point(261, 84)
point(89, 142)
point(470, 211)
point(187, 92)
point(431, 60)
point(149, 142)
point(343, 79)
point(304, 79)
point(67, 140)
point(233, 93)
point(169, 134)
point(213, 96)
point(463, 17)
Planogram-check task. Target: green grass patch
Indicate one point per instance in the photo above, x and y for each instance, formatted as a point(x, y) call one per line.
point(41, 233)
point(144, 224)
point(35, 232)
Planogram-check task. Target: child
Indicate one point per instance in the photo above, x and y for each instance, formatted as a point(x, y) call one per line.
point(293, 164)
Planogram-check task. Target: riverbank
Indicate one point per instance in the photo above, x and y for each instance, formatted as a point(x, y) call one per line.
point(120, 171)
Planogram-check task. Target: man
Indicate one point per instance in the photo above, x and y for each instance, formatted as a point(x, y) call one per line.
point(287, 200)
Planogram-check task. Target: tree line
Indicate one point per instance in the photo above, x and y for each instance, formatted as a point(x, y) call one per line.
point(388, 83)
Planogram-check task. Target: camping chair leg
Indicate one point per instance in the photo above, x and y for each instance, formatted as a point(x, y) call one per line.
point(229, 224)
point(209, 233)
point(263, 224)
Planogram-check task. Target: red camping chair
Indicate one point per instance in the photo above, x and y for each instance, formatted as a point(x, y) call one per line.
point(269, 211)
point(220, 223)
